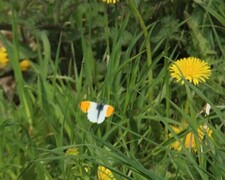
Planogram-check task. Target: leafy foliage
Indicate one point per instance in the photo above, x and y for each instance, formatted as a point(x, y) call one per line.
point(117, 54)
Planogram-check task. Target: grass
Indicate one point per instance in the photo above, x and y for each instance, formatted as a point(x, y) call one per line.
point(116, 54)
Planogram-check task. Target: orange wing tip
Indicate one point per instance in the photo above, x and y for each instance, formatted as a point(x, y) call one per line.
point(85, 105)
point(109, 111)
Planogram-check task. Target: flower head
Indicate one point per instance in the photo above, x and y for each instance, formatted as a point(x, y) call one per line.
point(192, 69)
point(176, 145)
point(25, 65)
point(110, 1)
point(189, 139)
point(105, 174)
point(3, 57)
point(72, 151)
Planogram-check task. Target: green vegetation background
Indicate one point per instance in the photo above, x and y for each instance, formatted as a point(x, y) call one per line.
point(118, 54)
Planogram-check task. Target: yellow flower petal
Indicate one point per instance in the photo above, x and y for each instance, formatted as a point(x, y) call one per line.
point(25, 65)
point(192, 69)
point(72, 151)
point(105, 174)
point(189, 139)
point(110, 1)
point(176, 145)
point(3, 57)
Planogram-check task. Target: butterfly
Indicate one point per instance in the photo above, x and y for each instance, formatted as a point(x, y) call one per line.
point(96, 113)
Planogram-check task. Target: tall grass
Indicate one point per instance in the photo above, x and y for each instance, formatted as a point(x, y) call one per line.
point(116, 54)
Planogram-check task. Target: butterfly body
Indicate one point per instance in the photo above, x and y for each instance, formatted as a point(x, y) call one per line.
point(96, 113)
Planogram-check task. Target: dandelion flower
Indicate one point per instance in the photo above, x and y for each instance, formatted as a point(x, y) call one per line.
point(189, 139)
point(192, 69)
point(25, 65)
point(3, 57)
point(176, 145)
point(72, 151)
point(110, 1)
point(105, 174)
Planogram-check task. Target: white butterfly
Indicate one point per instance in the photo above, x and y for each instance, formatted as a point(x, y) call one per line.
point(96, 113)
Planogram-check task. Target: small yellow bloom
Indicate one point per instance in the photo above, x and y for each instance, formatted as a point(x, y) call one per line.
point(3, 57)
point(72, 151)
point(176, 145)
point(110, 1)
point(105, 174)
point(192, 69)
point(189, 139)
point(25, 65)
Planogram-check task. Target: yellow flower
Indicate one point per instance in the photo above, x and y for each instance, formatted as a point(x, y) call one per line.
point(189, 139)
point(105, 174)
point(176, 145)
point(25, 65)
point(72, 151)
point(110, 1)
point(3, 57)
point(192, 69)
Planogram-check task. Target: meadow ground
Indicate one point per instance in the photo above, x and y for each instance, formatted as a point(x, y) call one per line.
point(159, 64)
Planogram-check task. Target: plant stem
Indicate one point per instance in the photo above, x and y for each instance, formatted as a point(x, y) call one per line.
point(148, 45)
point(16, 68)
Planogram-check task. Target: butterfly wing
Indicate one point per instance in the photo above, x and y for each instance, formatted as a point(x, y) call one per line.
point(106, 112)
point(108, 109)
point(85, 105)
point(93, 113)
